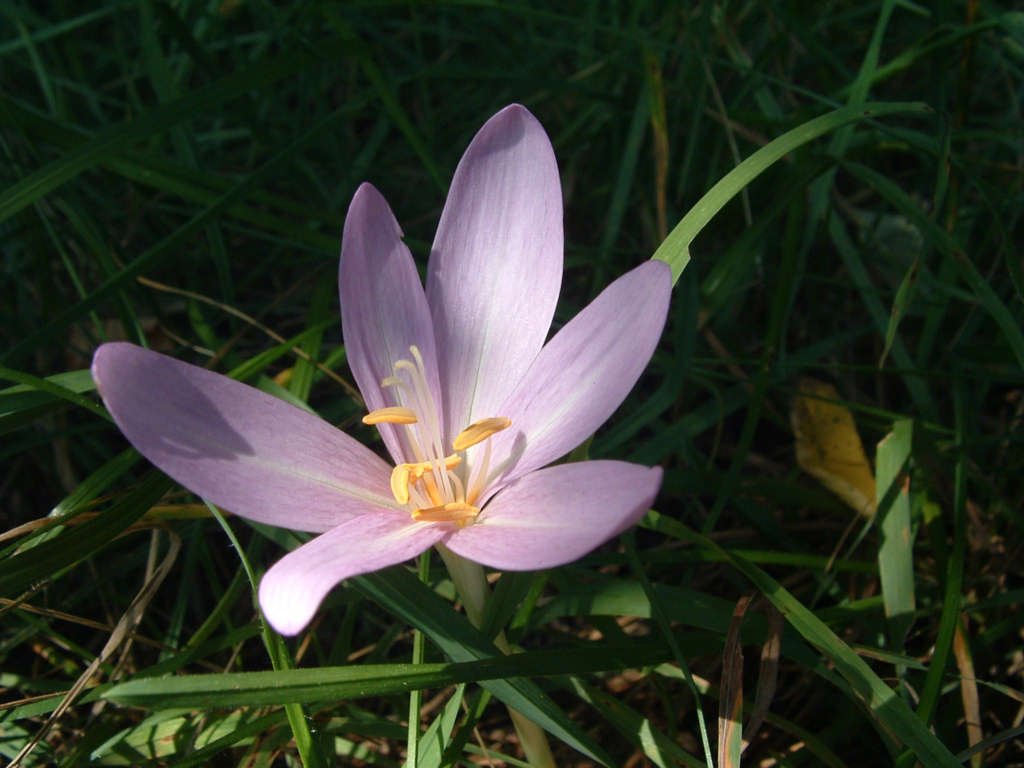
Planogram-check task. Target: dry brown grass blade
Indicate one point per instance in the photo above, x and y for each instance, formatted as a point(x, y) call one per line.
point(122, 633)
point(767, 675)
point(968, 688)
point(51, 613)
point(730, 697)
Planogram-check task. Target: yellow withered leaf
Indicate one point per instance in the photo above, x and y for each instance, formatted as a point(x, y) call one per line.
point(828, 446)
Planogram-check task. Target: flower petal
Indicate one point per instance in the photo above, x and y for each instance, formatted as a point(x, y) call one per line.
point(496, 265)
point(242, 449)
point(556, 515)
point(383, 308)
point(292, 589)
point(585, 371)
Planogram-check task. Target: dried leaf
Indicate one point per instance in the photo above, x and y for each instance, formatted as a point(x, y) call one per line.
point(730, 697)
point(767, 675)
point(968, 688)
point(828, 446)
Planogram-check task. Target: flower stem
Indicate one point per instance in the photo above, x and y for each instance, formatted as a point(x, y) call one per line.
point(472, 587)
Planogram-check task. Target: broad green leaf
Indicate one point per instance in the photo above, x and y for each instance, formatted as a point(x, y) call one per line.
point(434, 742)
point(896, 553)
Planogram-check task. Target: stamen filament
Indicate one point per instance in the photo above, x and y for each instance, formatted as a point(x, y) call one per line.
point(460, 489)
point(410, 434)
point(426, 406)
point(429, 404)
point(418, 499)
point(476, 484)
point(432, 492)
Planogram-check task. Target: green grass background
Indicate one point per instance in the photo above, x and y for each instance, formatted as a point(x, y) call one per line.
point(177, 174)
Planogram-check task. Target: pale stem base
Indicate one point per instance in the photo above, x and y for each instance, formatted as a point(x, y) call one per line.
point(472, 587)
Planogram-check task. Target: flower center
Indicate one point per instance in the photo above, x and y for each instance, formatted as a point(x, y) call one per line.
point(438, 486)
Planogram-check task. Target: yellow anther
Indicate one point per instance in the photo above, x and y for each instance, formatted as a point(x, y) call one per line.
point(400, 483)
point(393, 414)
point(479, 431)
point(453, 512)
point(405, 475)
point(416, 471)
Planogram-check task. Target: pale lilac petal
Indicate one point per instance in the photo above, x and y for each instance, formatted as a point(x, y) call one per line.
point(242, 449)
point(584, 373)
point(383, 308)
point(496, 265)
point(292, 589)
point(557, 515)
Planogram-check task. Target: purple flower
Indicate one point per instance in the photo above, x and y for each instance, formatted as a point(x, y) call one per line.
point(469, 400)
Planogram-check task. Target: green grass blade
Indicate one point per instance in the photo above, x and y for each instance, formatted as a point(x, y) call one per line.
point(367, 680)
point(402, 593)
point(167, 246)
point(857, 270)
point(955, 563)
point(657, 747)
point(75, 544)
point(904, 295)
point(437, 738)
point(157, 120)
point(386, 94)
point(623, 183)
point(50, 387)
point(412, 746)
point(840, 140)
point(676, 249)
point(33, 397)
point(879, 698)
point(280, 659)
point(317, 321)
point(983, 291)
point(660, 616)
